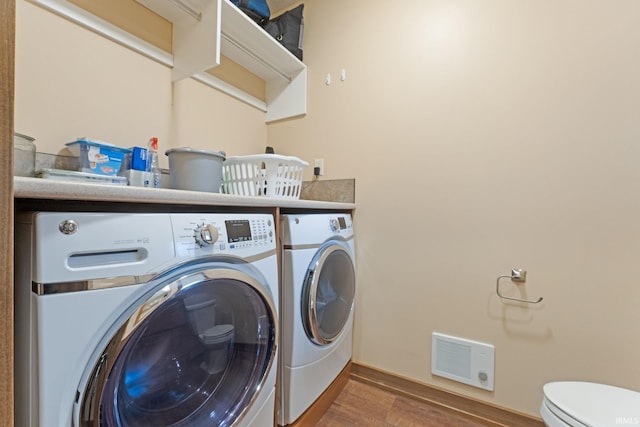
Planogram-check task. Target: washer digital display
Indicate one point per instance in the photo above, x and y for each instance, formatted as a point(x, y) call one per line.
point(238, 230)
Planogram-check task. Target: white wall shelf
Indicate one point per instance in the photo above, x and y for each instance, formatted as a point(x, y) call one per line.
point(203, 30)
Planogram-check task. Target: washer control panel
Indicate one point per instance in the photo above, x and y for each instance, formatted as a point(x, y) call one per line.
point(206, 234)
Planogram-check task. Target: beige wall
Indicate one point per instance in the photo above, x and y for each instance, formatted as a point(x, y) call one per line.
point(485, 135)
point(71, 82)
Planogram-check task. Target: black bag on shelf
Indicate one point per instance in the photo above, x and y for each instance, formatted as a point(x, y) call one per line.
point(257, 10)
point(288, 29)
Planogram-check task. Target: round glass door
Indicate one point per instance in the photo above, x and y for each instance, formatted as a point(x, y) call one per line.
point(328, 293)
point(193, 354)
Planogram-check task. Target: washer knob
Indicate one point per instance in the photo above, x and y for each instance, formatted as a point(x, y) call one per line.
point(334, 224)
point(206, 235)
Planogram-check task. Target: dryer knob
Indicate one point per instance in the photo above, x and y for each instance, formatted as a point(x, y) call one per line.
point(206, 235)
point(334, 224)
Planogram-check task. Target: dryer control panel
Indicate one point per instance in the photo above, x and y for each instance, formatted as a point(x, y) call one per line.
point(231, 234)
point(315, 229)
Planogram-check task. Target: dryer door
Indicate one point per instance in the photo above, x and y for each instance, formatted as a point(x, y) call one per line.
point(193, 351)
point(328, 293)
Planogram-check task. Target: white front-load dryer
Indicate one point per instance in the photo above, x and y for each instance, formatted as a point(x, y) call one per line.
point(145, 319)
point(316, 307)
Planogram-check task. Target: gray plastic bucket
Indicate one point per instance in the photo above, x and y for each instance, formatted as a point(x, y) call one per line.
point(195, 169)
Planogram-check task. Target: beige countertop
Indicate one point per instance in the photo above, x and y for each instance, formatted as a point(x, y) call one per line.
point(37, 188)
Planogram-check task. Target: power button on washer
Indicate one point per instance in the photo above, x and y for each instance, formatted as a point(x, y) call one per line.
point(68, 226)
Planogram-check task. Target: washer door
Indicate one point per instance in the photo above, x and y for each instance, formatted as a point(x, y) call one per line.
point(193, 351)
point(328, 293)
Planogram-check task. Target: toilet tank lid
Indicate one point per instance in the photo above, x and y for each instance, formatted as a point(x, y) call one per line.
point(594, 404)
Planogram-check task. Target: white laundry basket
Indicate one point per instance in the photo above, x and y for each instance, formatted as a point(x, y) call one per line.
point(270, 175)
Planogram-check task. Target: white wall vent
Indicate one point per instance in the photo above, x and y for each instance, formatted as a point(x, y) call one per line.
point(462, 360)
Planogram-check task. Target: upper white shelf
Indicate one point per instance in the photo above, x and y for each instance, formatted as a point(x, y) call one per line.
point(203, 30)
point(240, 35)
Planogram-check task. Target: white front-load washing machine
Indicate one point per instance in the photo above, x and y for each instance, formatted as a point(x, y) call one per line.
point(316, 307)
point(145, 319)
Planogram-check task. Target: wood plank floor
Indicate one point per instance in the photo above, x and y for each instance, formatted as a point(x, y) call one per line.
point(360, 404)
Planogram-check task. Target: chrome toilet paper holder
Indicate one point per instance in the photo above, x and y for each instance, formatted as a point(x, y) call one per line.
point(517, 276)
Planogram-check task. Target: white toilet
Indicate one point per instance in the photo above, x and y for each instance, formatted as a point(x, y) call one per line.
point(584, 404)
